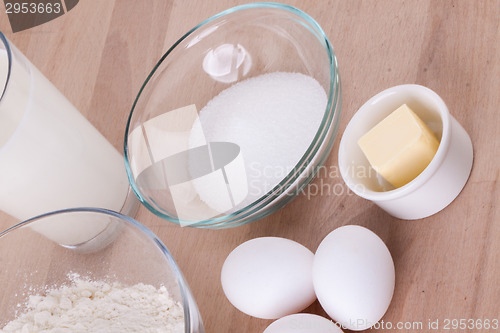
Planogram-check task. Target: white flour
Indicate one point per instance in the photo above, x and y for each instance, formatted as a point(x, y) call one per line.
point(88, 306)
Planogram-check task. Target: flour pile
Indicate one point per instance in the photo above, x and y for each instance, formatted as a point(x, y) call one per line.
point(89, 306)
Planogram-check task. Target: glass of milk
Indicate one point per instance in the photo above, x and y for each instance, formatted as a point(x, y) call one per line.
point(51, 157)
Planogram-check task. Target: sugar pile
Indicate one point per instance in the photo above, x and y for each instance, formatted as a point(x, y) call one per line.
point(90, 306)
point(272, 117)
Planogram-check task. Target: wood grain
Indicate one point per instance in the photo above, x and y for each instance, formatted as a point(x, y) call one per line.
point(447, 265)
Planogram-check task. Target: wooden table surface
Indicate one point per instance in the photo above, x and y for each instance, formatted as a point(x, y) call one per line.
point(447, 265)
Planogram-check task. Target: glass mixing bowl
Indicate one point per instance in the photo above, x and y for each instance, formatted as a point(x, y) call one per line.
point(48, 252)
point(236, 162)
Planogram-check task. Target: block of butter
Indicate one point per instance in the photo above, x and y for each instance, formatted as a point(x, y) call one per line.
point(399, 147)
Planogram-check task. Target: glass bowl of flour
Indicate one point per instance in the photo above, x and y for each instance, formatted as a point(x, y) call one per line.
point(235, 118)
point(91, 270)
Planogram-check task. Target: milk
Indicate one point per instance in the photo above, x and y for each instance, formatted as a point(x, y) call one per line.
point(51, 157)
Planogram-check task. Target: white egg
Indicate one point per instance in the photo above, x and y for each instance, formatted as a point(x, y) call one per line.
point(303, 323)
point(269, 277)
point(353, 276)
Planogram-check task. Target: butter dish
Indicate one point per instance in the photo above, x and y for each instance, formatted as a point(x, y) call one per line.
point(438, 184)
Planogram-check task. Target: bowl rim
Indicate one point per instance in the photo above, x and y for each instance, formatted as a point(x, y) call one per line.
point(8, 51)
point(257, 209)
point(188, 301)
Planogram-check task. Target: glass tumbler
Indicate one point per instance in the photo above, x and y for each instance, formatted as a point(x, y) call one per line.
point(51, 157)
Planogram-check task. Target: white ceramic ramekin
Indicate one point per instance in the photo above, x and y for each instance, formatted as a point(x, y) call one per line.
point(443, 179)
